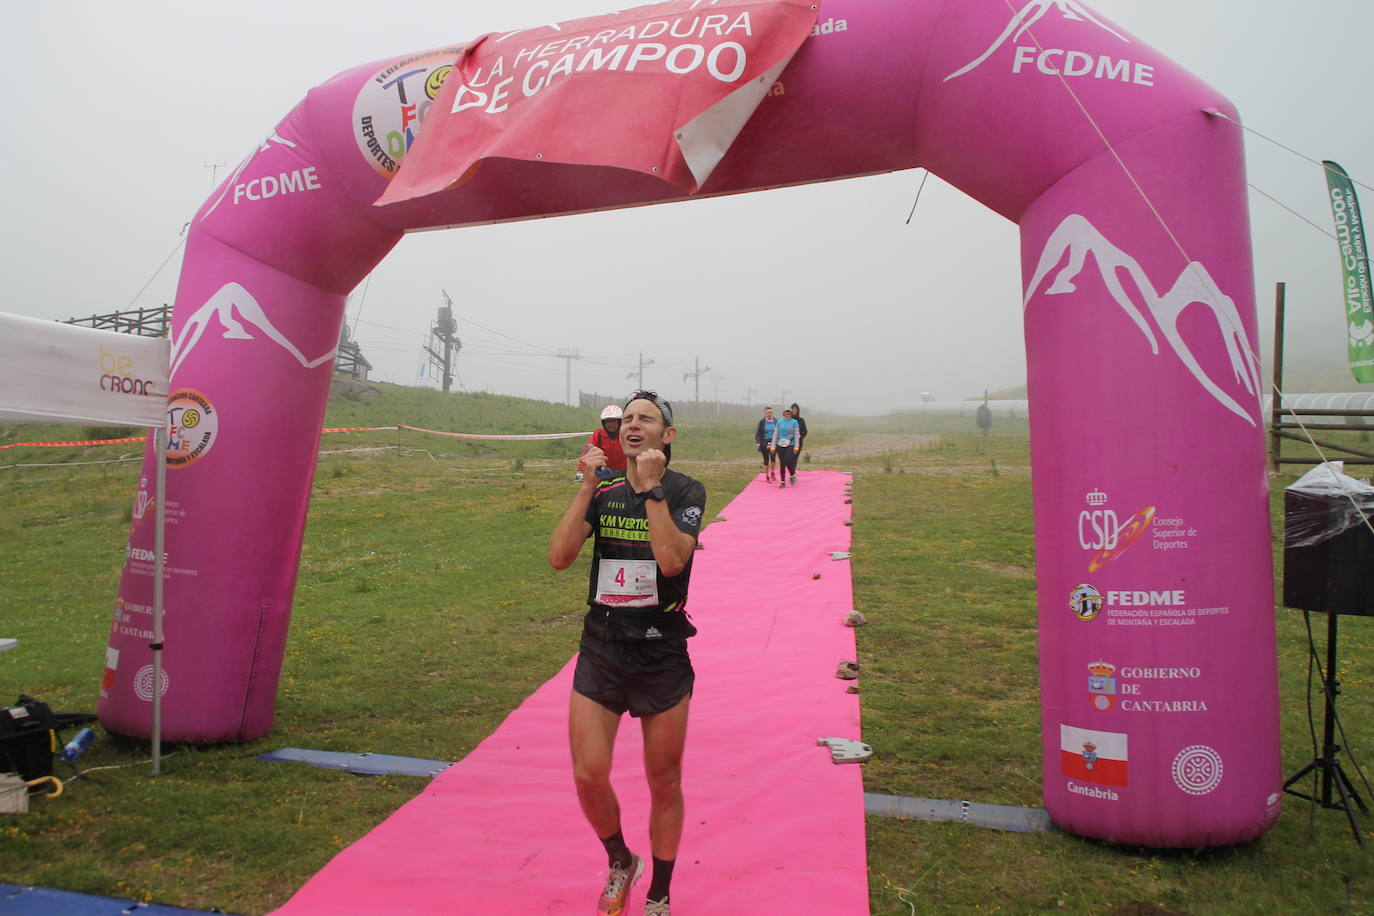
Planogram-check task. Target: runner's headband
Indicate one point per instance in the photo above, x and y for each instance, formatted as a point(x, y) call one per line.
point(659, 402)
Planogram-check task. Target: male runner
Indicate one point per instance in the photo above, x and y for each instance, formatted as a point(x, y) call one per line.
point(633, 653)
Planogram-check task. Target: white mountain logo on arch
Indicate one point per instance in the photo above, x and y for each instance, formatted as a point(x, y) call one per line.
point(1065, 256)
point(233, 306)
point(1037, 55)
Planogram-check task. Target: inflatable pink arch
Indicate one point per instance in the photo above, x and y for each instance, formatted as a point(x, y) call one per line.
point(1155, 587)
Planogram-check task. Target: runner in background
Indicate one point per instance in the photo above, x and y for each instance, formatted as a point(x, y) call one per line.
point(801, 429)
point(763, 438)
point(787, 440)
point(607, 438)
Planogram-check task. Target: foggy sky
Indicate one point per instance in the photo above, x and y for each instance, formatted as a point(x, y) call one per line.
point(822, 294)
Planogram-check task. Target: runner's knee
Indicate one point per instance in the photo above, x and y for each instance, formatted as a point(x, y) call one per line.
point(591, 774)
point(665, 780)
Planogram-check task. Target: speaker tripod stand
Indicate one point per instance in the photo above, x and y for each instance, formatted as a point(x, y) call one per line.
point(1336, 790)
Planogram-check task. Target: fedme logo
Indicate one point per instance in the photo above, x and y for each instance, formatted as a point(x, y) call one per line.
point(1171, 598)
point(116, 375)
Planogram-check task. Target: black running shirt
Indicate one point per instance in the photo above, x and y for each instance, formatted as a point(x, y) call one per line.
point(628, 596)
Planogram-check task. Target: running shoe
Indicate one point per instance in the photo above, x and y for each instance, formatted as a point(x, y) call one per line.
point(783, 485)
point(656, 907)
point(618, 884)
point(794, 480)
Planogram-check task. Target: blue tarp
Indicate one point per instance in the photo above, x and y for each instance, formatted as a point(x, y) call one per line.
point(362, 764)
point(21, 900)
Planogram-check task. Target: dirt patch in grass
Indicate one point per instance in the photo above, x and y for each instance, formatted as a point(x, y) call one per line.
point(1015, 572)
point(866, 445)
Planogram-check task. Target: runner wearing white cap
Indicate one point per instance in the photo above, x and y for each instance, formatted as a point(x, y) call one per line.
point(607, 438)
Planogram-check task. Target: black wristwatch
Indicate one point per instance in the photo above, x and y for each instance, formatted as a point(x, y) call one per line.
point(655, 493)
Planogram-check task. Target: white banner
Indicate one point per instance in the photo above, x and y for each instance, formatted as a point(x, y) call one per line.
point(61, 373)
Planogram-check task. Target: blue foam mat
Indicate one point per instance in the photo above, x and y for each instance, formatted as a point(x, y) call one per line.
point(23, 900)
point(362, 764)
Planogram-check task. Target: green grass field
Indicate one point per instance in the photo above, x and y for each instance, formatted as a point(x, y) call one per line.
point(408, 638)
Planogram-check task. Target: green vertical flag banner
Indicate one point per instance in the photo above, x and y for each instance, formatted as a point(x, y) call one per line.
point(1358, 303)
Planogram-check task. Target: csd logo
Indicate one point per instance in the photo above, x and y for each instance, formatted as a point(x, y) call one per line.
point(1101, 531)
point(1098, 529)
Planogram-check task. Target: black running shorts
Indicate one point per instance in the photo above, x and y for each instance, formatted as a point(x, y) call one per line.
point(644, 677)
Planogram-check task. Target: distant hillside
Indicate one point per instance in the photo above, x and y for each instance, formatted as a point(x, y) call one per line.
point(380, 404)
point(372, 404)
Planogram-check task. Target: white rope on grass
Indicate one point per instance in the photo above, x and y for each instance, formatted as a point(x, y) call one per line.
point(71, 464)
point(406, 450)
point(115, 766)
point(421, 451)
point(345, 451)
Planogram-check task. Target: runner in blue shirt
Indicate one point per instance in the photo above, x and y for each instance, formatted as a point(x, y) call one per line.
point(763, 438)
point(787, 442)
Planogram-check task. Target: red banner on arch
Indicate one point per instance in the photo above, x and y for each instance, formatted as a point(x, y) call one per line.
point(662, 89)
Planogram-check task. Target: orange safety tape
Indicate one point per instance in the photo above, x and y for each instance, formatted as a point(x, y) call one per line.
point(77, 442)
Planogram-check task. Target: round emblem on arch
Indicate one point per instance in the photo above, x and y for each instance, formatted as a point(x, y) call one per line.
point(1085, 602)
point(143, 683)
point(394, 102)
point(192, 427)
point(1197, 769)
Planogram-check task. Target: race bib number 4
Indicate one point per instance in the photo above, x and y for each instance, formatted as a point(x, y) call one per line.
point(627, 583)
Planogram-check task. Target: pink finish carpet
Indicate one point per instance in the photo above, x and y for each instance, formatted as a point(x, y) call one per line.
point(772, 825)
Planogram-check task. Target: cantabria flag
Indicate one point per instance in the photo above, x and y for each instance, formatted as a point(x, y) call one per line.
point(1093, 756)
point(1357, 302)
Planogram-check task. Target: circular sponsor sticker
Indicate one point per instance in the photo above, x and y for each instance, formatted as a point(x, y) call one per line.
point(143, 683)
point(1085, 602)
point(1197, 769)
point(393, 104)
point(192, 427)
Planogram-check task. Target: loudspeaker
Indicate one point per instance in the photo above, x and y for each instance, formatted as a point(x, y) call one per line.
point(1333, 569)
point(28, 738)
